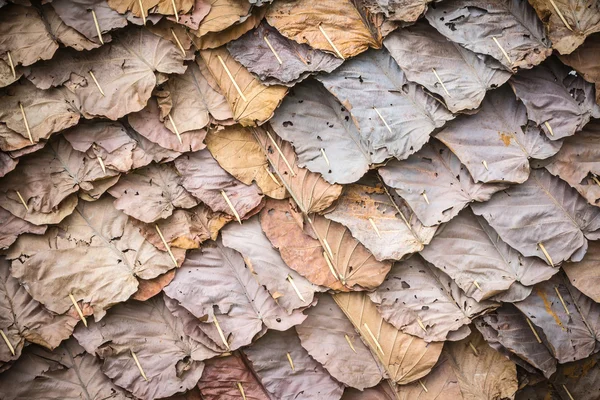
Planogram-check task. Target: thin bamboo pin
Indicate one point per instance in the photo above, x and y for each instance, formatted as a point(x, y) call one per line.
point(289, 357)
point(568, 393)
point(350, 343)
point(232, 79)
point(272, 50)
point(561, 300)
point(546, 253)
point(98, 30)
point(421, 324)
point(142, 11)
point(291, 281)
point(96, 82)
point(373, 337)
point(12, 65)
point(423, 386)
point(175, 128)
point(271, 175)
point(137, 362)
point(162, 238)
point(425, 197)
point(562, 18)
point(175, 10)
point(331, 42)
point(477, 285)
point(102, 164)
point(549, 128)
point(281, 154)
point(220, 331)
point(330, 265)
point(440, 81)
point(485, 165)
point(230, 204)
point(474, 349)
point(537, 337)
point(10, 346)
point(382, 119)
point(241, 389)
point(328, 248)
point(76, 305)
point(178, 42)
point(595, 179)
point(26, 122)
point(325, 157)
point(502, 50)
point(375, 227)
point(22, 200)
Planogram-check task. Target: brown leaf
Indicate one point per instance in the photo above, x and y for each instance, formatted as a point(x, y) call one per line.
point(64, 33)
point(258, 101)
point(440, 383)
point(584, 274)
point(11, 227)
point(222, 14)
point(301, 21)
point(383, 391)
point(169, 30)
point(584, 61)
point(148, 288)
point(193, 19)
point(164, 7)
point(77, 14)
point(399, 10)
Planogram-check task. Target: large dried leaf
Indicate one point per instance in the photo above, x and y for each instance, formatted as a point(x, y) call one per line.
point(23, 33)
point(207, 181)
point(306, 379)
point(149, 124)
point(569, 320)
point(496, 143)
point(568, 22)
point(327, 336)
point(215, 283)
point(440, 383)
point(435, 184)
point(543, 210)
point(66, 373)
point(222, 14)
point(508, 328)
point(304, 21)
point(464, 77)
point(235, 148)
point(164, 7)
point(170, 359)
point(77, 14)
point(221, 378)
point(482, 264)
point(415, 295)
point(124, 69)
point(385, 225)
point(192, 20)
point(578, 379)
point(483, 373)
point(11, 227)
point(399, 10)
point(584, 61)
point(151, 193)
point(290, 289)
point(405, 358)
point(24, 319)
point(95, 254)
point(475, 23)
point(64, 33)
point(258, 101)
point(556, 99)
point(46, 111)
point(7, 163)
point(298, 61)
point(578, 162)
point(584, 274)
point(315, 123)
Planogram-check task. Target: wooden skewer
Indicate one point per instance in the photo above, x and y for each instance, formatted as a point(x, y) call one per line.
point(375, 227)
point(373, 337)
point(440, 81)
point(421, 324)
point(328, 248)
point(485, 165)
point(549, 128)
point(331, 42)
point(10, 346)
point(595, 179)
point(291, 281)
point(382, 119)
point(330, 265)
point(568, 393)
point(350, 343)
point(98, 30)
point(272, 50)
point(26, 122)
point(325, 157)
point(241, 389)
point(142, 11)
point(166, 245)
point(546, 253)
point(220, 331)
point(562, 300)
point(22, 200)
point(230, 204)
point(477, 285)
point(76, 305)
point(178, 42)
point(289, 357)
point(175, 10)
point(175, 128)
point(425, 197)
point(102, 164)
point(12, 65)
point(423, 386)
point(281, 154)
point(97, 84)
point(271, 175)
point(502, 50)
point(137, 362)
point(537, 337)
point(562, 18)
point(474, 349)
point(232, 79)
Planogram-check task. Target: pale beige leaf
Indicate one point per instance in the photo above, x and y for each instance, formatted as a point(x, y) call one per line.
point(584, 274)
point(11, 227)
point(164, 7)
point(222, 14)
point(441, 383)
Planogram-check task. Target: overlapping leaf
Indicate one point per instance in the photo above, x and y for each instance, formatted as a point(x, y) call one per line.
point(441, 382)
point(64, 33)
point(78, 15)
point(165, 7)
point(583, 60)
point(12, 227)
point(222, 14)
point(584, 275)
point(399, 10)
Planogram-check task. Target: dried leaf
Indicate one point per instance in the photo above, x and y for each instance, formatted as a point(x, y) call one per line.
point(193, 19)
point(583, 60)
point(164, 7)
point(440, 383)
point(64, 33)
point(584, 275)
point(77, 14)
point(12, 227)
point(7, 163)
point(399, 10)
point(6, 74)
point(222, 14)
point(148, 288)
